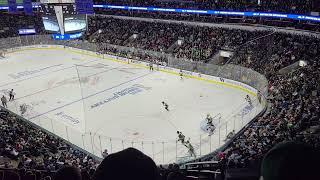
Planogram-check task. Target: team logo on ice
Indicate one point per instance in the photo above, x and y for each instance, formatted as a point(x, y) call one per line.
point(134, 89)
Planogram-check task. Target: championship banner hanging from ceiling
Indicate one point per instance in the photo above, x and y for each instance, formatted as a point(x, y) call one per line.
point(27, 5)
point(84, 6)
point(12, 6)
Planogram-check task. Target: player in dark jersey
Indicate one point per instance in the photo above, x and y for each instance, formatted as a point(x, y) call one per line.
point(181, 74)
point(190, 148)
point(150, 66)
point(259, 96)
point(11, 95)
point(181, 137)
point(166, 106)
point(209, 119)
point(249, 100)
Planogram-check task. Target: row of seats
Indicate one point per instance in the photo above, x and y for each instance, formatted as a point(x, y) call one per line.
point(11, 23)
point(288, 6)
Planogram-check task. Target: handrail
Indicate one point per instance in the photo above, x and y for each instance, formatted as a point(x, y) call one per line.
point(202, 162)
point(297, 17)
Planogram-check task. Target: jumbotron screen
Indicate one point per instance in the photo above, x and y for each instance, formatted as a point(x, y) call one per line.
point(75, 23)
point(51, 24)
point(72, 21)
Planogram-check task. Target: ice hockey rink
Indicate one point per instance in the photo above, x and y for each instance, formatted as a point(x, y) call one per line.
point(101, 103)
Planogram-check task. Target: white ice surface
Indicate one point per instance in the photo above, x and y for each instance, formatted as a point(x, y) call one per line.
point(48, 82)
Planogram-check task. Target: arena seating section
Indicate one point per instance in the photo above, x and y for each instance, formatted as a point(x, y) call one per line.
point(304, 7)
point(11, 23)
point(28, 153)
point(294, 96)
point(288, 6)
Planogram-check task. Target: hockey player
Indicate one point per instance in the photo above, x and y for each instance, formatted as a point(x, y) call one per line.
point(259, 96)
point(23, 109)
point(181, 137)
point(150, 66)
point(157, 64)
point(230, 135)
point(166, 106)
point(181, 74)
point(209, 119)
point(210, 127)
point(105, 153)
point(249, 100)
point(4, 101)
point(190, 148)
point(11, 95)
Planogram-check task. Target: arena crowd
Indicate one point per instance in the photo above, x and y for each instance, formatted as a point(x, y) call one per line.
point(11, 23)
point(293, 112)
point(297, 6)
point(310, 7)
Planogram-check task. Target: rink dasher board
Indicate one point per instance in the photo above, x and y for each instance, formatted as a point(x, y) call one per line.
point(198, 76)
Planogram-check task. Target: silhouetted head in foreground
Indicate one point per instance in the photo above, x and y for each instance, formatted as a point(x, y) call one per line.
point(68, 173)
point(291, 161)
point(127, 164)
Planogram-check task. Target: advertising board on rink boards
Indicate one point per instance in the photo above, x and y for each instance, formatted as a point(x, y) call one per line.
point(188, 74)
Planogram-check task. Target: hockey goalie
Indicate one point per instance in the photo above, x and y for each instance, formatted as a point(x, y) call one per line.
point(210, 123)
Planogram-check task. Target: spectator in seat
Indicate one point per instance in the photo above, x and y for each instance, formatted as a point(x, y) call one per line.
point(127, 164)
point(291, 161)
point(175, 174)
point(68, 173)
point(105, 153)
